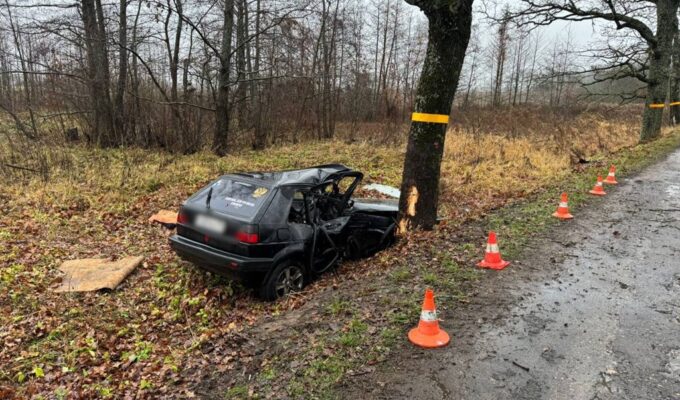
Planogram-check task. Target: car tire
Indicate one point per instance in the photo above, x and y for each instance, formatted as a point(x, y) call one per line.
point(286, 278)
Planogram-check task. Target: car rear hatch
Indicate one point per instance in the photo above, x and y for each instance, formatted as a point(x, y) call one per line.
point(224, 215)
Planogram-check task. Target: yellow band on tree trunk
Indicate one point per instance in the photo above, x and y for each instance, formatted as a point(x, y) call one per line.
point(675, 103)
point(433, 118)
point(657, 105)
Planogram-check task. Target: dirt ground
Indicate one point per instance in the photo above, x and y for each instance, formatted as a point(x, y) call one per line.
point(591, 311)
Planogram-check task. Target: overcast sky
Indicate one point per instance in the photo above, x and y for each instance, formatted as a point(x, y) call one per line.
point(582, 33)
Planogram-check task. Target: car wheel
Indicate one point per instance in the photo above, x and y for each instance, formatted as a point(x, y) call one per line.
point(286, 278)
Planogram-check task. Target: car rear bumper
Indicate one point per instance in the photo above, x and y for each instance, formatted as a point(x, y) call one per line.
point(216, 260)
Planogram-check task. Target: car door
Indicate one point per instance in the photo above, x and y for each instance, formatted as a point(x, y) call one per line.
point(346, 185)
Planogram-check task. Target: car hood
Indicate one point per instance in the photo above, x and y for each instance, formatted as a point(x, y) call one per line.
point(376, 205)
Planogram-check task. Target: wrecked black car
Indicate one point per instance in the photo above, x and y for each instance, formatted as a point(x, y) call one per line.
point(278, 230)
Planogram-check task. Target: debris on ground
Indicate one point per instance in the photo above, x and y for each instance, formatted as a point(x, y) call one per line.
point(384, 189)
point(90, 274)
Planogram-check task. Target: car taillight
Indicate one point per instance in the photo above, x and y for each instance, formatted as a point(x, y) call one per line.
point(246, 237)
point(182, 218)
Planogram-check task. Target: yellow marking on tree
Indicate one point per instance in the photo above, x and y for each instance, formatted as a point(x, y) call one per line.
point(432, 118)
point(657, 105)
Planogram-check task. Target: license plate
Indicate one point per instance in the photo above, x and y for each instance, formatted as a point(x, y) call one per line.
point(211, 224)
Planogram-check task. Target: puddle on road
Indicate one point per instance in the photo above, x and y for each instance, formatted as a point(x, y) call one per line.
point(673, 190)
point(673, 365)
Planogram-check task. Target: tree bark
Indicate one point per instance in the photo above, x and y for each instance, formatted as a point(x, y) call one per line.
point(674, 92)
point(659, 68)
point(221, 137)
point(448, 36)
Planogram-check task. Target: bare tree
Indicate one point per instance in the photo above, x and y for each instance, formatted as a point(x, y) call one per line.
point(25, 73)
point(532, 70)
point(500, 52)
point(674, 88)
point(119, 100)
point(260, 134)
point(474, 50)
point(103, 133)
point(633, 15)
point(221, 137)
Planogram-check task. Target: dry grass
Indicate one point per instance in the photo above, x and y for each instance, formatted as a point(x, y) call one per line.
point(484, 166)
point(513, 153)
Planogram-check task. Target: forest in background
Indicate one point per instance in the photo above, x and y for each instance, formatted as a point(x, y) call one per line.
point(188, 75)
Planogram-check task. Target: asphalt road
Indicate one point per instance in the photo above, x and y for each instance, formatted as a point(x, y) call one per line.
point(591, 312)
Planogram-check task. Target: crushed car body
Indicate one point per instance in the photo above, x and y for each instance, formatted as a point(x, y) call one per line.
point(279, 230)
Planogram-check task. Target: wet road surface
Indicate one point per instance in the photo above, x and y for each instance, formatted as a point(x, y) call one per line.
point(592, 313)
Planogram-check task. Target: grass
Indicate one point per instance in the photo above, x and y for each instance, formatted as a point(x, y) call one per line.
point(519, 222)
point(95, 204)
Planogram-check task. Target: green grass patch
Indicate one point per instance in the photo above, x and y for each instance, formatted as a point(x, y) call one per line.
point(354, 335)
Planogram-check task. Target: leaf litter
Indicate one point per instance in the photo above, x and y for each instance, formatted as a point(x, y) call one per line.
point(170, 329)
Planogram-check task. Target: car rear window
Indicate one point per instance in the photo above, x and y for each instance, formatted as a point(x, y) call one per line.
point(234, 197)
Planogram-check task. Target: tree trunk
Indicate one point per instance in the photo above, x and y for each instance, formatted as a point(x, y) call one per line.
point(502, 50)
point(329, 52)
point(173, 52)
point(260, 135)
point(220, 140)
point(675, 82)
point(103, 134)
point(448, 36)
point(136, 111)
point(122, 71)
point(659, 69)
point(241, 43)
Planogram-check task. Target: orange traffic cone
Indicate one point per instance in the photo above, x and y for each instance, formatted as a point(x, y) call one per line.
point(598, 190)
point(427, 334)
point(492, 257)
point(563, 209)
point(611, 177)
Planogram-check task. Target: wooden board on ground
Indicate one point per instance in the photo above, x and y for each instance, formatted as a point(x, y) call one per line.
point(91, 274)
point(166, 218)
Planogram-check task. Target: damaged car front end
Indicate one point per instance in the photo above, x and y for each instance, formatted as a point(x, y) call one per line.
point(281, 229)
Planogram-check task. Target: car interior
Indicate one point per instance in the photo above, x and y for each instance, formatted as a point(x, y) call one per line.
point(325, 202)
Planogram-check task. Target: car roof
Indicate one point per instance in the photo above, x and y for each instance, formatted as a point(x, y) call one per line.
point(308, 176)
